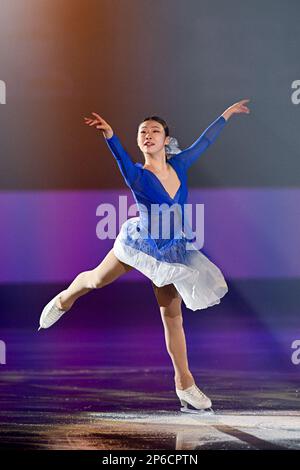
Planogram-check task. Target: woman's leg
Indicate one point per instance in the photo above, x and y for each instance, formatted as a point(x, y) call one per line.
point(106, 272)
point(169, 302)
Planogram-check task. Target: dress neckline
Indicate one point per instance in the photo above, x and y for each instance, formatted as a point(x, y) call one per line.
point(164, 189)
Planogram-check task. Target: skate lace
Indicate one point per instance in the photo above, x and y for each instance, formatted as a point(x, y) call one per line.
point(195, 391)
point(54, 313)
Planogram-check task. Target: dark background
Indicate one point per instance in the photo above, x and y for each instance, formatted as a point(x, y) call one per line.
point(125, 59)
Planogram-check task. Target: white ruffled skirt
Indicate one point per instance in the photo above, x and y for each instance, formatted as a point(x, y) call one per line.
point(199, 282)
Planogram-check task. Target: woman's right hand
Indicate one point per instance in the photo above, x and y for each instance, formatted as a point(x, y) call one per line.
point(99, 122)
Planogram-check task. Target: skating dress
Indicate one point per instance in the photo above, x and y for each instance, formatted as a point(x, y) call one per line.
point(159, 242)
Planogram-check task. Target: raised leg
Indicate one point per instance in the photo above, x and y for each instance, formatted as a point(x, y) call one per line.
point(106, 272)
point(169, 302)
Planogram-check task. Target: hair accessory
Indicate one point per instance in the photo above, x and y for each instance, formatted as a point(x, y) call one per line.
point(172, 148)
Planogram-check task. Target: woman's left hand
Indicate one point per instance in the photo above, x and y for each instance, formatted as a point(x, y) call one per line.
point(239, 107)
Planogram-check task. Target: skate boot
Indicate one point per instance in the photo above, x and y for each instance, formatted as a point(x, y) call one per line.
point(198, 401)
point(51, 313)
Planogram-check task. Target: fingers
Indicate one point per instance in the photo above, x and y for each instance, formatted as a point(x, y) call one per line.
point(91, 122)
point(94, 122)
point(97, 116)
point(244, 109)
point(241, 107)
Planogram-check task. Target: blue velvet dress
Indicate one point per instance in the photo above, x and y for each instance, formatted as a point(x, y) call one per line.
point(164, 252)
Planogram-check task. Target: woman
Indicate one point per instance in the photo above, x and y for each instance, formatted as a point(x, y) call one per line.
point(177, 269)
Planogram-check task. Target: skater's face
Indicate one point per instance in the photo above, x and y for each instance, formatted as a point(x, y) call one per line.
point(151, 137)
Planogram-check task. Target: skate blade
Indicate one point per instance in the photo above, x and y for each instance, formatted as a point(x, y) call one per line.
point(206, 412)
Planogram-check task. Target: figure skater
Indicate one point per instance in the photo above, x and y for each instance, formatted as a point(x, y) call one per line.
point(177, 272)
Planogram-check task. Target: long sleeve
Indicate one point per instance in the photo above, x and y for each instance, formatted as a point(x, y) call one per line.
point(127, 167)
point(189, 155)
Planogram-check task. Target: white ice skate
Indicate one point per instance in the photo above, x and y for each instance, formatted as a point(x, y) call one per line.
point(51, 313)
point(193, 396)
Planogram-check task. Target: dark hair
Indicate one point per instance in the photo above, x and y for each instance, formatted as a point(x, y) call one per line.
point(160, 120)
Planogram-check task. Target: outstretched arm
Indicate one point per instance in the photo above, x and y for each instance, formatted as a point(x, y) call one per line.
point(189, 155)
point(126, 165)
